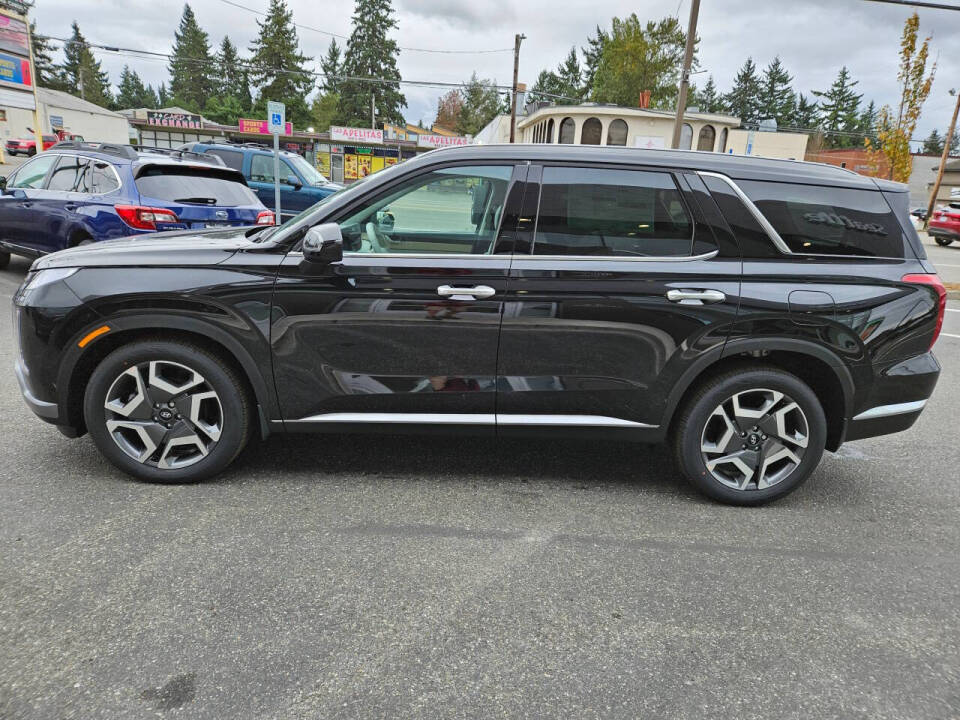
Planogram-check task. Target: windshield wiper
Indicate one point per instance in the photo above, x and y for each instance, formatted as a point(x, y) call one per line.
point(197, 200)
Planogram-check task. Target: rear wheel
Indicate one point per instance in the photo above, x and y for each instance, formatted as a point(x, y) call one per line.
point(31, 152)
point(943, 241)
point(750, 436)
point(167, 411)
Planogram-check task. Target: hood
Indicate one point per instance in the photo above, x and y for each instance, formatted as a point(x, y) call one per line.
point(177, 247)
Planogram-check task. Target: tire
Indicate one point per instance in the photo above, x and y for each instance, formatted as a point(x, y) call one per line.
point(715, 444)
point(942, 241)
point(4, 259)
point(142, 433)
point(31, 152)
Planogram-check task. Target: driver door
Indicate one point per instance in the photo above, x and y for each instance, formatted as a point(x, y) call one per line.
point(404, 331)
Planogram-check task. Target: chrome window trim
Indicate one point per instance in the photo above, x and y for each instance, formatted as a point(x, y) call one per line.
point(525, 258)
point(887, 410)
point(116, 175)
point(754, 210)
point(472, 419)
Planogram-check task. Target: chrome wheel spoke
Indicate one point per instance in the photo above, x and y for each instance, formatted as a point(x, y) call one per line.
point(163, 414)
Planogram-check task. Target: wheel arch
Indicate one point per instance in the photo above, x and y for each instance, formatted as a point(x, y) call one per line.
point(817, 366)
point(78, 366)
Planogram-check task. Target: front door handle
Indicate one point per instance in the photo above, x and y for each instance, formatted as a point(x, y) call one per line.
point(478, 292)
point(695, 297)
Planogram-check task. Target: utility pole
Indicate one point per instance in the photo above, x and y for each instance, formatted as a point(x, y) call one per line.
point(685, 76)
point(517, 39)
point(373, 112)
point(82, 94)
point(943, 160)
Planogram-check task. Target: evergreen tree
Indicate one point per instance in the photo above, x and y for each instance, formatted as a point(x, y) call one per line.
point(806, 114)
point(777, 99)
point(566, 82)
point(708, 100)
point(279, 68)
point(324, 110)
point(331, 68)
point(546, 86)
point(234, 82)
point(192, 80)
point(49, 74)
point(84, 76)
point(132, 93)
point(867, 122)
point(163, 96)
point(839, 110)
point(224, 109)
point(744, 98)
point(371, 53)
point(481, 103)
point(591, 61)
point(933, 145)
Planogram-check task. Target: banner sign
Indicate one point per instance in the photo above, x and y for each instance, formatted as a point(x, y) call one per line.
point(15, 70)
point(13, 35)
point(174, 120)
point(351, 134)
point(439, 141)
point(260, 127)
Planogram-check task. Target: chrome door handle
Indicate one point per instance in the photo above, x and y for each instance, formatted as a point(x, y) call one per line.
point(478, 292)
point(695, 297)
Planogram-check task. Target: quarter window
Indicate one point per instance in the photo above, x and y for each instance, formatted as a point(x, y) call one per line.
point(611, 212)
point(828, 220)
point(102, 178)
point(33, 173)
point(453, 210)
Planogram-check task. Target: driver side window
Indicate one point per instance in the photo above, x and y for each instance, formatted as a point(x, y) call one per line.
point(452, 210)
point(32, 174)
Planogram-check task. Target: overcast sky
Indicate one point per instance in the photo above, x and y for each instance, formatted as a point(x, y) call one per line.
point(813, 38)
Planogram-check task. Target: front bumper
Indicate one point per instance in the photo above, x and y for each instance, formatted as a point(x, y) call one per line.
point(42, 409)
point(951, 233)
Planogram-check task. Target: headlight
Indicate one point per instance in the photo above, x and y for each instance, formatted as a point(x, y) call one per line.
point(40, 279)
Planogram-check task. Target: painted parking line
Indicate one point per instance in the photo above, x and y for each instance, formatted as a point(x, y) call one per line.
point(943, 334)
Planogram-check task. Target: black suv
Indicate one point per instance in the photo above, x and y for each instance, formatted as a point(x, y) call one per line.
point(751, 312)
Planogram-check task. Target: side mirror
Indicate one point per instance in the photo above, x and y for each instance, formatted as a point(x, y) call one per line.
point(323, 244)
point(385, 220)
point(294, 181)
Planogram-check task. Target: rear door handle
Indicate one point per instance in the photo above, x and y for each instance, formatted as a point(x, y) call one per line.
point(477, 292)
point(695, 297)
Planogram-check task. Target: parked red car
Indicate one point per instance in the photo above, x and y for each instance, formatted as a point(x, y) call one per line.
point(28, 146)
point(944, 224)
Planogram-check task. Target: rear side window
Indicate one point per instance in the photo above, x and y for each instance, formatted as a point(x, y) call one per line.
point(102, 178)
point(594, 211)
point(69, 175)
point(193, 186)
point(828, 220)
point(231, 158)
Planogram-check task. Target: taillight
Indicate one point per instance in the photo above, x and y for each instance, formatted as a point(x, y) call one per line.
point(265, 218)
point(145, 218)
point(932, 280)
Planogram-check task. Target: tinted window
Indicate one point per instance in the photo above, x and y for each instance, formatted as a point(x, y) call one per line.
point(611, 212)
point(102, 178)
point(231, 158)
point(454, 210)
point(828, 220)
point(69, 175)
point(33, 173)
point(261, 169)
point(181, 184)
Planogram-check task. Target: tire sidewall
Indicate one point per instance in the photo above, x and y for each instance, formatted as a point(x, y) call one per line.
point(690, 456)
point(235, 411)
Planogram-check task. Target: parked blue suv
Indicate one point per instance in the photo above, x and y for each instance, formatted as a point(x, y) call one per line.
point(78, 192)
point(301, 184)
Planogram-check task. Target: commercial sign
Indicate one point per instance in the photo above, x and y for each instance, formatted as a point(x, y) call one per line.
point(649, 142)
point(352, 134)
point(15, 70)
point(260, 127)
point(174, 120)
point(13, 35)
point(440, 141)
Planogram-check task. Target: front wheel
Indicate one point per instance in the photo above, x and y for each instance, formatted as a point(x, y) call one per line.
point(167, 411)
point(942, 241)
point(750, 436)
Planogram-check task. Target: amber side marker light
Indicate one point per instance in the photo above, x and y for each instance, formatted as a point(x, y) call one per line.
point(93, 335)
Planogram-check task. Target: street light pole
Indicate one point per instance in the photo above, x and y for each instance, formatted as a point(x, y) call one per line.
point(943, 160)
point(685, 77)
point(517, 39)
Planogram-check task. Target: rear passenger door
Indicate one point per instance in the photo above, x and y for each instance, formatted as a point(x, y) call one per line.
point(616, 289)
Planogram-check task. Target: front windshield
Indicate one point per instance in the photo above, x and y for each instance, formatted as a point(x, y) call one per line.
point(308, 171)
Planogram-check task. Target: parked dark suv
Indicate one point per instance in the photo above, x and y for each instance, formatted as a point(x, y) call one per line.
point(751, 312)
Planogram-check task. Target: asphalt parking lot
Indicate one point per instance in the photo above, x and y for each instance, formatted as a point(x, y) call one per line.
point(368, 577)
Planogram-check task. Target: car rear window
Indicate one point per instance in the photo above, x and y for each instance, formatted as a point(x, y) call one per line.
point(198, 186)
point(828, 220)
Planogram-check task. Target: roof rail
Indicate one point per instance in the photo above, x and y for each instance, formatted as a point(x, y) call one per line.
point(183, 154)
point(124, 151)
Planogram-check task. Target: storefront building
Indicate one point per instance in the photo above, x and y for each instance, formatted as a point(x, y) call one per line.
point(171, 127)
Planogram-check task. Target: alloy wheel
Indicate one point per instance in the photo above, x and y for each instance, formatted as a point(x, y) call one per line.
point(163, 414)
point(754, 439)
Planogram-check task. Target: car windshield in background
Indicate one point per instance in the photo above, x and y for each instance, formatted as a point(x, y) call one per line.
point(309, 172)
point(192, 186)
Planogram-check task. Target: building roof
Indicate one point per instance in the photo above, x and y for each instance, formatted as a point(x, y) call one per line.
point(740, 167)
point(67, 101)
